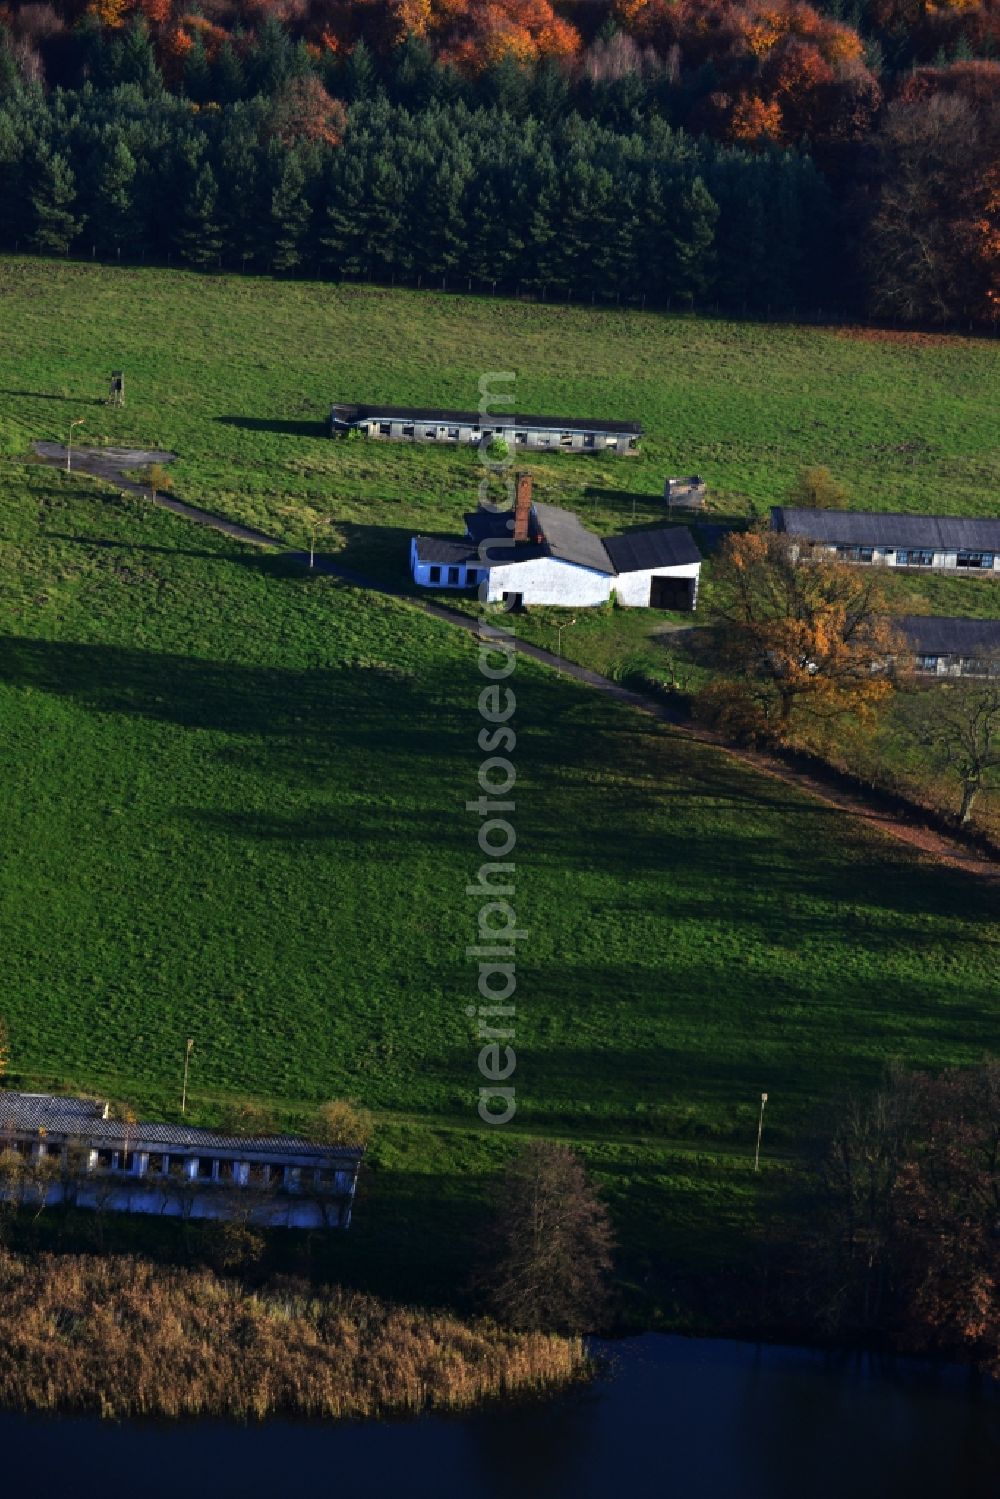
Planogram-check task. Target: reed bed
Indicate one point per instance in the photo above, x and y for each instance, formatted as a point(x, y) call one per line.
point(126, 1337)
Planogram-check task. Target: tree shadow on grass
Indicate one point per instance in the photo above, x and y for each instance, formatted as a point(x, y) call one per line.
point(43, 395)
point(382, 751)
point(287, 426)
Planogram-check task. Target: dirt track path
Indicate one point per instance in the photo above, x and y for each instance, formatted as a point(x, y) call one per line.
point(109, 464)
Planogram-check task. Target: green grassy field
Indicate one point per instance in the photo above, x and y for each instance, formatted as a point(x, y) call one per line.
point(237, 376)
point(234, 804)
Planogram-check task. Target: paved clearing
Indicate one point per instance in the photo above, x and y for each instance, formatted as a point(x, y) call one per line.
point(112, 464)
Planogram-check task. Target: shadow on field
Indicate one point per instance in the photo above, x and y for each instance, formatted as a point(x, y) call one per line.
point(148, 549)
point(289, 426)
point(378, 754)
point(47, 395)
point(383, 553)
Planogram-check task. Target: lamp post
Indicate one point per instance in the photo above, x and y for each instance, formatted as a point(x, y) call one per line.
point(69, 445)
point(187, 1058)
point(564, 625)
point(760, 1131)
point(314, 527)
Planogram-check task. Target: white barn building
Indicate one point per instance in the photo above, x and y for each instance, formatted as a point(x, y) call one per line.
point(940, 543)
point(537, 433)
point(542, 554)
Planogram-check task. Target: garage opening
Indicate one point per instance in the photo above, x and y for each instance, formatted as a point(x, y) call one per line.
point(671, 593)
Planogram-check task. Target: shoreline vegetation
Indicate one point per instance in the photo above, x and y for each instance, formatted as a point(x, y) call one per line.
point(122, 1336)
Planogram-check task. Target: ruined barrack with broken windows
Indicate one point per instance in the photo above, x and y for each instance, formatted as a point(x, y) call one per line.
point(72, 1150)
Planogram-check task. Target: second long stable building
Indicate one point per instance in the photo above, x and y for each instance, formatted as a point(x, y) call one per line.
point(538, 433)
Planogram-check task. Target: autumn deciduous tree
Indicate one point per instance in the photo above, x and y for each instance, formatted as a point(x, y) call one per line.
point(858, 1175)
point(815, 488)
point(304, 111)
point(797, 638)
point(158, 479)
point(907, 1238)
point(752, 120)
point(548, 1255)
point(917, 248)
point(948, 1217)
point(958, 722)
point(340, 1122)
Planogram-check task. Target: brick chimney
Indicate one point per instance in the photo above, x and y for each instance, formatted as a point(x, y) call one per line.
point(522, 506)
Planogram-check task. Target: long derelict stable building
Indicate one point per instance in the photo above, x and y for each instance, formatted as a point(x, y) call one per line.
point(70, 1150)
point(540, 433)
point(967, 546)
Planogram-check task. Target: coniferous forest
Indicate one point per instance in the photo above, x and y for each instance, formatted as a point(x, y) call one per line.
point(766, 158)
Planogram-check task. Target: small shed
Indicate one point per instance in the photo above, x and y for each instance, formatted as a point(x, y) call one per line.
point(685, 494)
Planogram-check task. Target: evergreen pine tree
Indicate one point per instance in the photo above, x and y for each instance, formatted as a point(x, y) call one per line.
point(9, 74)
point(343, 237)
point(197, 72)
point(270, 63)
point(540, 262)
point(15, 216)
point(289, 209)
point(196, 233)
point(493, 215)
point(414, 74)
point(386, 232)
point(506, 86)
point(690, 246)
point(549, 93)
point(228, 79)
point(55, 223)
point(238, 175)
point(440, 235)
point(359, 75)
point(134, 60)
point(113, 219)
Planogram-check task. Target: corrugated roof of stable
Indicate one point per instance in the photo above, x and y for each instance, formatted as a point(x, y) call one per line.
point(944, 635)
point(34, 1113)
point(873, 528)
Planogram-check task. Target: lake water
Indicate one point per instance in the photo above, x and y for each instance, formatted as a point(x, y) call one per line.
point(695, 1419)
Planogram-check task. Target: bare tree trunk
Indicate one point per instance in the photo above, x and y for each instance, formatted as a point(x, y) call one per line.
point(970, 790)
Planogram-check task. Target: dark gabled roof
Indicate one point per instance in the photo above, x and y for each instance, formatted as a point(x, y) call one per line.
point(442, 549)
point(364, 413)
point(865, 528)
point(670, 547)
point(32, 1113)
point(568, 540)
point(936, 635)
point(482, 524)
point(560, 534)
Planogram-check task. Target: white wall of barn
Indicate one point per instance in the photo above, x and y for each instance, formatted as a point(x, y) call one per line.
point(633, 588)
point(547, 580)
point(944, 561)
point(553, 439)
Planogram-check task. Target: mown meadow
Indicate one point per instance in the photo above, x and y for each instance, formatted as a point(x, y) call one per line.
point(234, 798)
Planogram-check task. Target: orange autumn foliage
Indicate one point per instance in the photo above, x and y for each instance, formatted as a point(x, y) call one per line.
point(304, 111)
point(481, 33)
point(212, 37)
point(753, 120)
point(110, 13)
point(799, 638)
point(157, 12)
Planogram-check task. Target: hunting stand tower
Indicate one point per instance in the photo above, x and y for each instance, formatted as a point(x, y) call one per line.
point(116, 389)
